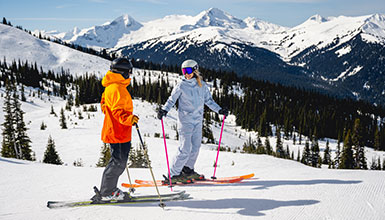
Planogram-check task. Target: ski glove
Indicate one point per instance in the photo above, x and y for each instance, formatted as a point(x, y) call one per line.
point(161, 113)
point(224, 112)
point(134, 119)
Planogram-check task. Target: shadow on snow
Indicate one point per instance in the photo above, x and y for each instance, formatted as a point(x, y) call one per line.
point(2, 159)
point(265, 184)
point(246, 206)
point(249, 206)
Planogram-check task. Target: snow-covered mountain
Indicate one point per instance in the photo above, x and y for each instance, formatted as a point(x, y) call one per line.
point(259, 49)
point(103, 36)
point(266, 51)
point(287, 42)
point(18, 45)
point(263, 26)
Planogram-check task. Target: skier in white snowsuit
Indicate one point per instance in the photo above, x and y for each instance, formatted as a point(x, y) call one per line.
point(192, 94)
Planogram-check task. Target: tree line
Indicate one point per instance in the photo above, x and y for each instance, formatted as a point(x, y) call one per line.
point(261, 106)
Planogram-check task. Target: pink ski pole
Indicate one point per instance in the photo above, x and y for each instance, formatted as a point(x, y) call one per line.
point(165, 147)
point(219, 146)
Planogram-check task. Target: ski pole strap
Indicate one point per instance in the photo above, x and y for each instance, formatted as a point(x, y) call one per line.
point(165, 148)
point(219, 146)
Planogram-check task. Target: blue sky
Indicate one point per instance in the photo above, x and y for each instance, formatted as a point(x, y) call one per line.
point(63, 15)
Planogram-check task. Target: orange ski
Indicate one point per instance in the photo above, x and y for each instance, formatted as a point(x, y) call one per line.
point(218, 181)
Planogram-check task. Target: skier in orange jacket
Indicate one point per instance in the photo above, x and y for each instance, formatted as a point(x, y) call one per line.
point(117, 106)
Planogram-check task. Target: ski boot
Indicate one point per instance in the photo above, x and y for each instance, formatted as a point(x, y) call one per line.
point(116, 196)
point(176, 179)
point(191, 174)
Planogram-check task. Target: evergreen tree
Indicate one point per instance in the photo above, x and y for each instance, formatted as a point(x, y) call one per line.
point(319, 164)
point(50, 154)
point(52, 111)
point(337, 158)
point(70, 102)
point(279, 147)
point(377, 139)
point(138, 158)
point(359, 146)
point(206, 130)
point(249, 146)
point(347, 160)
point(306, 154)
point(22, 140)
point(294, 139)
point(260, 148)
point(23, 98)
point(298, 155)
point(327, 157)
point(269, 150)
point(264, 127)
point(43, 126)
point(63, 123)
point(9, 148)
point(314, 152)
point(105, 156)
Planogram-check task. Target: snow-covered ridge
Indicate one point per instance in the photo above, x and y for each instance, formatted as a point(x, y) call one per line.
point(108, 34)
point(288, 42)
point(17, 45)
point(215, 17)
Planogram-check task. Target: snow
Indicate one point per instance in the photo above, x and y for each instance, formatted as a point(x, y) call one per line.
point(355, 70)
point(264, 26)
point(374, 28)
point(281, 189)
point(16, 44)
point(343, 51)
point(348, 73)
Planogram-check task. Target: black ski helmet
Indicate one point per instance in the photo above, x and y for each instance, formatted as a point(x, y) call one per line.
point(122, 66)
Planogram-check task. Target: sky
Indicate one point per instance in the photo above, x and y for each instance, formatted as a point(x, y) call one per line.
point(64, 15)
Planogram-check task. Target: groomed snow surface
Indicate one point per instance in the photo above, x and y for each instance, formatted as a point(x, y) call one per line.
point(281, 189)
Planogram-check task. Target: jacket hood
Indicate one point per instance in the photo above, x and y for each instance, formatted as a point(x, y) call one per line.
point(111, 78)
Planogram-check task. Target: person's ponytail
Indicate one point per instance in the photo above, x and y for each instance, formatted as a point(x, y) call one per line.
point(198, 77)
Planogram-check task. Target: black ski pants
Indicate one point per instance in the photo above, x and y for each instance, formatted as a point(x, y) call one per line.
point(115, 167)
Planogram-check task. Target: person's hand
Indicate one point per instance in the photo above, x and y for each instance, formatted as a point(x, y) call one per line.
point(134, 119)
point(161, 113)
point(224, 111)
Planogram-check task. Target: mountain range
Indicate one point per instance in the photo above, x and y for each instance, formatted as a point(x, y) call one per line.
point(341, 55)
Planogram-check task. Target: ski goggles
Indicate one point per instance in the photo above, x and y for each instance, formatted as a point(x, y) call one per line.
point(189, 70)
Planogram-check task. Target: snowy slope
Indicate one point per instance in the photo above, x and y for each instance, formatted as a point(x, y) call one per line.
point(281, 189)
point(17, 45)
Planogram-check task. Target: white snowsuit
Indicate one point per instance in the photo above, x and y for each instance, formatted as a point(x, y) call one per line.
point(191, 100)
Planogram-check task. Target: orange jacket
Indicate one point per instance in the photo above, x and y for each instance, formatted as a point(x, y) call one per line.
point(117, 106)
